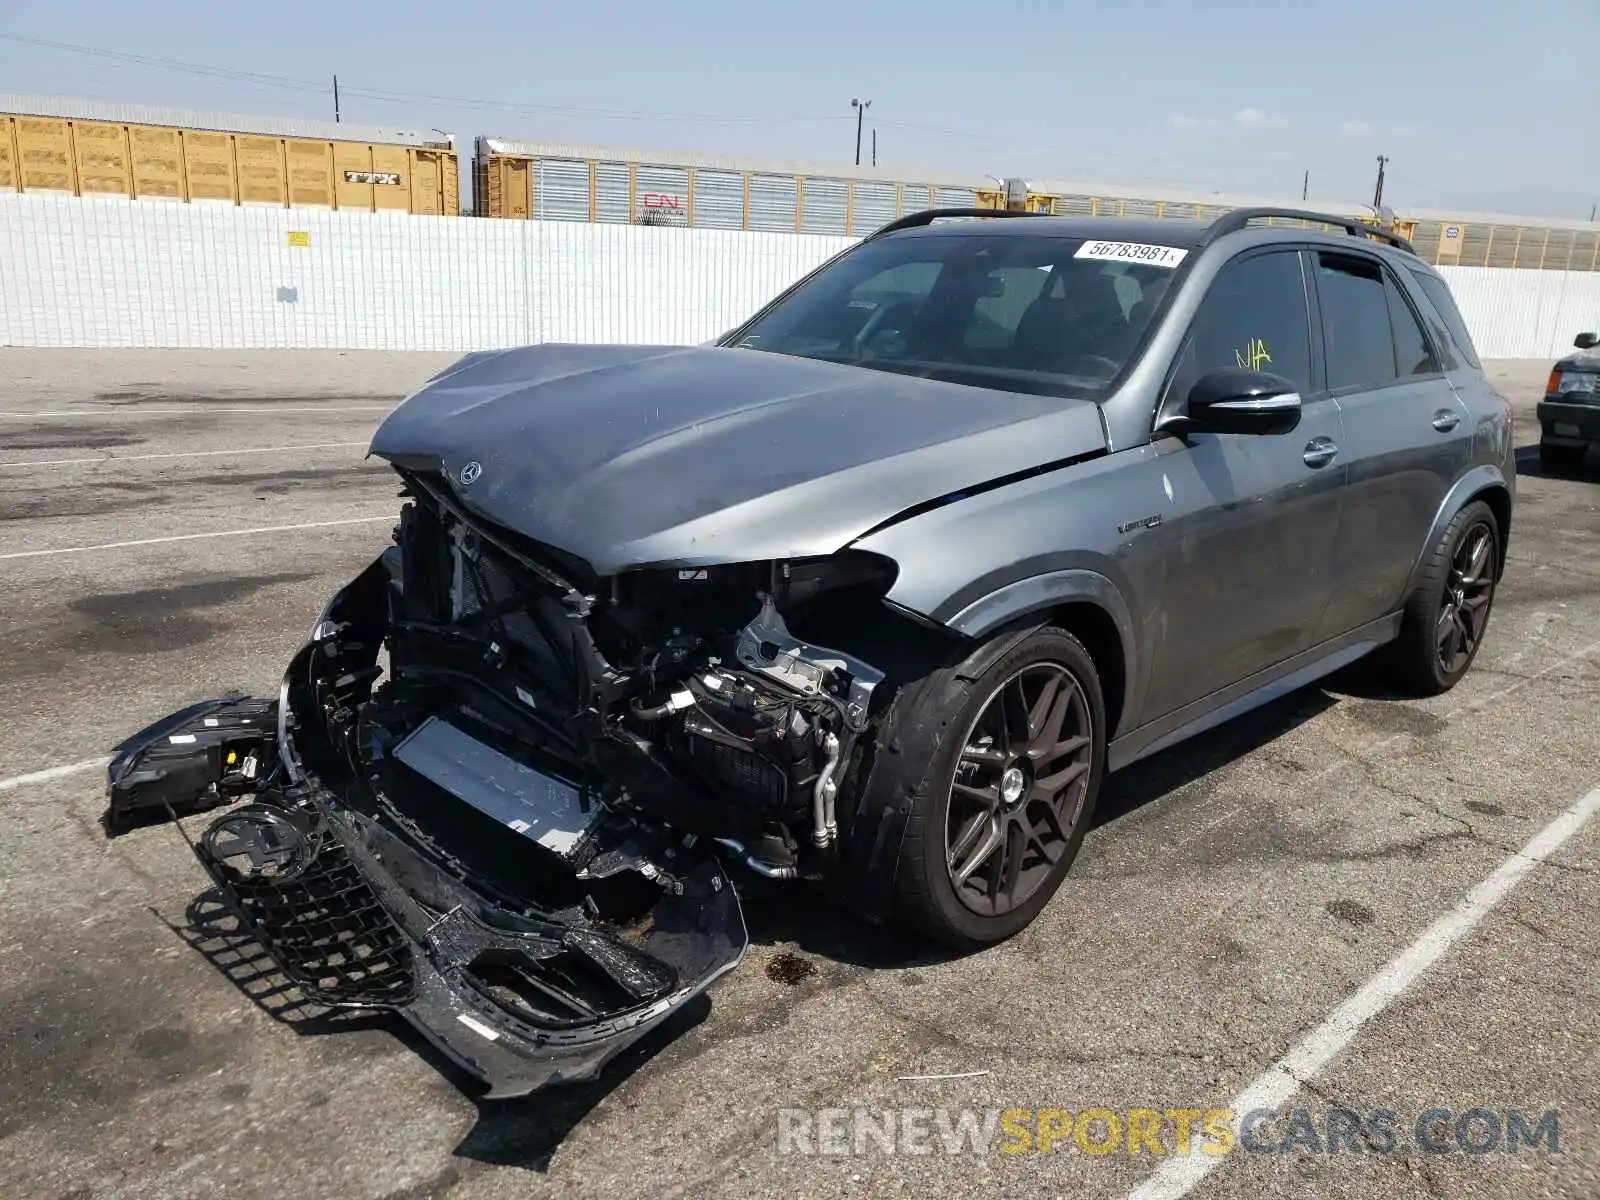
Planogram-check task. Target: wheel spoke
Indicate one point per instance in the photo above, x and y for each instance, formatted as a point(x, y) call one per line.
point(1479, 558)
point(1008, 864)
point(1048, 854)
point(993, 834)
point(1046, 736)
point(1048, 815)
point(987, 756)
point(989, 796)
point(1066, 746)
point(1050, 786)
point(1013, 717)
point(1445, 629)
point(1042, 707)
point(1473, 604)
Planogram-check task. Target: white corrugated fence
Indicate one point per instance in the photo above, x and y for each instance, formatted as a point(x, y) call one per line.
point(108, 271)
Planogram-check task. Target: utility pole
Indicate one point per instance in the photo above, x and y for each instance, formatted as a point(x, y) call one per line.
point(861, 107)
point(1305, 186)
point(335, 99)
point(875, 157)
point(1377, 193)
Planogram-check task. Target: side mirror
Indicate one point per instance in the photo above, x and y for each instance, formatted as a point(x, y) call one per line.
point(1234, 401)
point(1586, 341)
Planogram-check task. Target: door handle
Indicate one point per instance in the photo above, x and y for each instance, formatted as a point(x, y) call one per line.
point(1320, 451)
point(1445, 420)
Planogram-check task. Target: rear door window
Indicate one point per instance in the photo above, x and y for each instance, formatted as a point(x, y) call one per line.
point(1356, 329)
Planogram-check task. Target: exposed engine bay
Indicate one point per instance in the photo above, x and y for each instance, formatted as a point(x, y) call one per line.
point(678, 696)
point(496, 793)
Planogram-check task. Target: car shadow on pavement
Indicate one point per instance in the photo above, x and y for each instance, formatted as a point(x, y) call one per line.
point(1166, 772)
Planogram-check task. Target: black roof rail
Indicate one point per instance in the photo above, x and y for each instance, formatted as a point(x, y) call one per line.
point(1238, 218)
point(929, 215)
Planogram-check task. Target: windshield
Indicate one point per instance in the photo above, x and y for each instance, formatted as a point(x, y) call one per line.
point(1007, 311)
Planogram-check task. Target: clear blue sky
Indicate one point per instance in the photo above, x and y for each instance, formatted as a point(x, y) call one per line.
point(1479, 106)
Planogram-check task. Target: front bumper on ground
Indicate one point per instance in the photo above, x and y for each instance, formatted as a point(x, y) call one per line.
point(1562, 424)
point(357, 916)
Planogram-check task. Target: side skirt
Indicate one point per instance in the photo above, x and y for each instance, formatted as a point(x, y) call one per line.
point(1251, 692)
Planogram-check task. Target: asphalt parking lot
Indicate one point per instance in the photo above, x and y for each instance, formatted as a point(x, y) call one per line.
point(170, 523)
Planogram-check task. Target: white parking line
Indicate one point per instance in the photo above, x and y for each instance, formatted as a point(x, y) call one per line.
point(121, 458)
point(191, 537)
point(45, 776)
point(1178, 1176)
point(198, 410)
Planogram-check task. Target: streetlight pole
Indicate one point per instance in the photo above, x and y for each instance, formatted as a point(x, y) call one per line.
point(875, 157)
point(1377, 193)
point(861, 107)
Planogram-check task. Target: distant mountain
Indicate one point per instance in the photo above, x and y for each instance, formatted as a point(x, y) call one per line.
point(1529, 202)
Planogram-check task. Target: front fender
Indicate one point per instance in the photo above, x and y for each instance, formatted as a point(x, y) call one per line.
point(1042, 593)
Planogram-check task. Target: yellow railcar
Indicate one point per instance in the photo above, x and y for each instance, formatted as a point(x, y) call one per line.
point(127, 150)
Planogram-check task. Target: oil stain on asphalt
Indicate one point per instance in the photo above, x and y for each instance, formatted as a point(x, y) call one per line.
point(153, 620)
point(790, 969)
point(1351, 912)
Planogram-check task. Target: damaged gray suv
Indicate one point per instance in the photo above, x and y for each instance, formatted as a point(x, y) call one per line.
point(873, 591)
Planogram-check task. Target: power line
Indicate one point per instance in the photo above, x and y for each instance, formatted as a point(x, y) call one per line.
point(384, 96)
point(148, 60)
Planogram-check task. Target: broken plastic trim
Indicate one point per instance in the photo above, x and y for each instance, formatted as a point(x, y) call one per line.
point(198, 758)
point(358, 916)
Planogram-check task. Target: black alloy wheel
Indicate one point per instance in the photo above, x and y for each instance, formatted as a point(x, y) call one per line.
point(1468, 589)
point(1448, 612)
point(982, 787)
point(1019, 789)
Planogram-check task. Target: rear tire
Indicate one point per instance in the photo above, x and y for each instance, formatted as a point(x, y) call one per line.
point(997, 762)
point(1554, 460)
point(1448, 613)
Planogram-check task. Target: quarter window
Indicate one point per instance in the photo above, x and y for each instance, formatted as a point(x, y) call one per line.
point(1254, 317)
point(1438, 293)
point(1412, 354)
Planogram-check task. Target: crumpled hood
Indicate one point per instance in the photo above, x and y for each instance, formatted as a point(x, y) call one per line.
point(635, 455)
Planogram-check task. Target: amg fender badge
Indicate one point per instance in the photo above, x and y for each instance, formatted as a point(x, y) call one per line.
point(1142, 523)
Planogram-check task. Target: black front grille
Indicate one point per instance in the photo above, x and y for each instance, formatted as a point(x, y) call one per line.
point(301, 897)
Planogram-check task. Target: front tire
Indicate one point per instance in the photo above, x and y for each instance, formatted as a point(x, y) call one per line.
point(1448, 613)
point(998, 762)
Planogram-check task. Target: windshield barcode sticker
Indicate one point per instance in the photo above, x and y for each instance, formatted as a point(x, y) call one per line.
point(1135, 252)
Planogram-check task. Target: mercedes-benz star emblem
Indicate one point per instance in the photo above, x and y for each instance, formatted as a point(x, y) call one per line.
point(470, 473)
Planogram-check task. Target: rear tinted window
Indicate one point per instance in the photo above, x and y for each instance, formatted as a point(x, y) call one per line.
point(1439, 295)
point(1355, 322)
